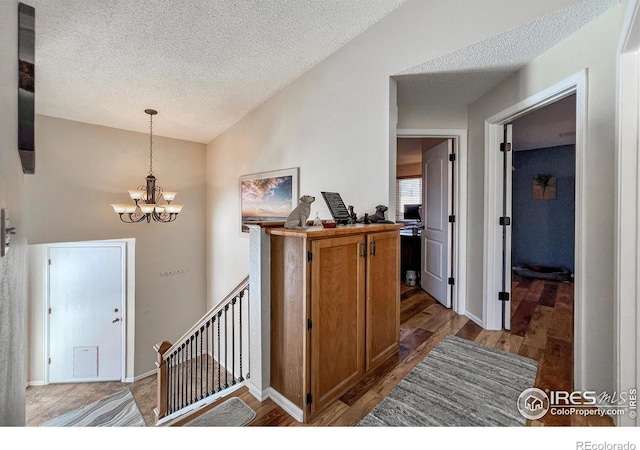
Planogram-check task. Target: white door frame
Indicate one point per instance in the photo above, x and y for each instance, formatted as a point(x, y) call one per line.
point(123, 301)
point(627, 232)
point(459, 136)
point(493, 191)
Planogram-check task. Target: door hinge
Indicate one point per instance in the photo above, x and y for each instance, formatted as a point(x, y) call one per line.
point(505, 147)
point(309, 398)
point(49, 360)
point(452, 281)
point(309, 324)
point(49, 261)
point(309, 256)
point(49, 310)
point(452, 157)
point(505, 221)
point(503, 296)
point(452, 219)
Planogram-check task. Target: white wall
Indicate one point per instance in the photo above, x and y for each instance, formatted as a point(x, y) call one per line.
point(13, 266)
point(593, 47)
point(80, 170)
point(418, 113)
point(333, 122)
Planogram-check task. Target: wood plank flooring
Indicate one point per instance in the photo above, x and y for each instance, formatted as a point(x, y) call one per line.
point(542, 329)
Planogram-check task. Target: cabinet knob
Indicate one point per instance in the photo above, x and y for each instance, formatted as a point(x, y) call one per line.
point(373, 248)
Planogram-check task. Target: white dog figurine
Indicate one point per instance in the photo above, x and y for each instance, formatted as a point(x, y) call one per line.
point(298, 217)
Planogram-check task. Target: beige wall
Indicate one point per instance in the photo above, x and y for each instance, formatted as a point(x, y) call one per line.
point(333, 122)
point(594, 47)
point(81, 169)
point(13, 266)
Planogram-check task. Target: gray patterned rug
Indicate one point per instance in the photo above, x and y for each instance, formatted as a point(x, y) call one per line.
point(230, 413)
point(118, 410)
point(459, 383)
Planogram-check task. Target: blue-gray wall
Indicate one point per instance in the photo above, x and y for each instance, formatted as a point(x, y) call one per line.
point(544, 230)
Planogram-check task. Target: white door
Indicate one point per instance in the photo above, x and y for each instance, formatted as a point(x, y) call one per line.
point(436, 208)
point(86, 317)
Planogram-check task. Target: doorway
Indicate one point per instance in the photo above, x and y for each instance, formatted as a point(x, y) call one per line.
point(501, 296)
point(450, 273)
point(85, 312)
point(543, 236)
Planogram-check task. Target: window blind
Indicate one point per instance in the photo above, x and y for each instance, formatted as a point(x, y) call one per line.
point(408, 191)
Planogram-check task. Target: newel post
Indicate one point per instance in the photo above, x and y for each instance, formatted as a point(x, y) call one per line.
point(161, 363)
point(259, 299)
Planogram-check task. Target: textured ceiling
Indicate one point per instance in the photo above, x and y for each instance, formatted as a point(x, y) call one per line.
point(202, 64)
point(205, 64)
point(461, 77)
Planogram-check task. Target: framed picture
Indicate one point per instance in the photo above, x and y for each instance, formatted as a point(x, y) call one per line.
point(268, 196)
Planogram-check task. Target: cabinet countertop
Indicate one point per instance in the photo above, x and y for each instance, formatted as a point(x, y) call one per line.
point(340, 230)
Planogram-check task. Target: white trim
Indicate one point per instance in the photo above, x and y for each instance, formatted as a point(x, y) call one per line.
point(627, 224)
point(493, 203)
point(122, 244)
point(199, 404)
point(286, 404)
point(260, 395)
point(459, 300)
point(144, 375)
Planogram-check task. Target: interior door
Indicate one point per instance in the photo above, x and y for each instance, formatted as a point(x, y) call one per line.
point(86, 317)
point(507, 194)
point(436, 208)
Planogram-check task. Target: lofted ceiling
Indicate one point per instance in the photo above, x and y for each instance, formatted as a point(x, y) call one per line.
point(205, 64)
point(202, 64)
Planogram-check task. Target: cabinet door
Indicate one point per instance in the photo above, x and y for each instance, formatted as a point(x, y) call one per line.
point(383, 296)
point(337, 314)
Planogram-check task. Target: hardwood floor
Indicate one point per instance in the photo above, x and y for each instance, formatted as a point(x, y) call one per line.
point(542, 329)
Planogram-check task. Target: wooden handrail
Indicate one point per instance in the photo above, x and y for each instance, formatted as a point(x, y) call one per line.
point(166, 355)
point(244, 284)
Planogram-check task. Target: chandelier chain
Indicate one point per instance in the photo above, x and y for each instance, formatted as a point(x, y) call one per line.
point(150, 144)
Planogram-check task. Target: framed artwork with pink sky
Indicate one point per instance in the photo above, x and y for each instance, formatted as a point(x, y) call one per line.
point(268, 196)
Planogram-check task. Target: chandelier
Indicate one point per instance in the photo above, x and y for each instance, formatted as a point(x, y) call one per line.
point(147, 198)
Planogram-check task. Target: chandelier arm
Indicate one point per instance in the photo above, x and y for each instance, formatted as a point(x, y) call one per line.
point(130, 217)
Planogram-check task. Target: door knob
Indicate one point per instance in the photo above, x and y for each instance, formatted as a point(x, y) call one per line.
point(117, 319)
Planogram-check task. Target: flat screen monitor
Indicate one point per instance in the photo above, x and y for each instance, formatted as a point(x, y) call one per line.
point(412, 212)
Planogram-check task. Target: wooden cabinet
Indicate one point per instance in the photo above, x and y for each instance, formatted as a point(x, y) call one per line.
point(335, 309)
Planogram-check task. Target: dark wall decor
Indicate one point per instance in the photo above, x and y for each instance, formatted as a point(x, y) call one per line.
point(26, 86)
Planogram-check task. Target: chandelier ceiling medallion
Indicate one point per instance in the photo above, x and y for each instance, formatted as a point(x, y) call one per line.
point(147, 198)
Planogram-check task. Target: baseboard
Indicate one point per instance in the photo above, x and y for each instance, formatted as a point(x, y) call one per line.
point(259, 394)
point(286, 404)
point(179, 415)
point(144, 375)
point(475, 319)
point(36, 383)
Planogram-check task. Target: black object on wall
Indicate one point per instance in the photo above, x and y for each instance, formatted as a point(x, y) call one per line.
point(26, 86)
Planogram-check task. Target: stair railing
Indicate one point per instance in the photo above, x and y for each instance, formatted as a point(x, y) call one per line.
point(208, 361)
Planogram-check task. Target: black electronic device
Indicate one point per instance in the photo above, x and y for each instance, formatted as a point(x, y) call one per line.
point(336, 207)
point(412, 212)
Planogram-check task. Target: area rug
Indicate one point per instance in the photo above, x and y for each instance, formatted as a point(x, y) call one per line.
point(118, 410)
point(459, 383)
point(230, 413)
